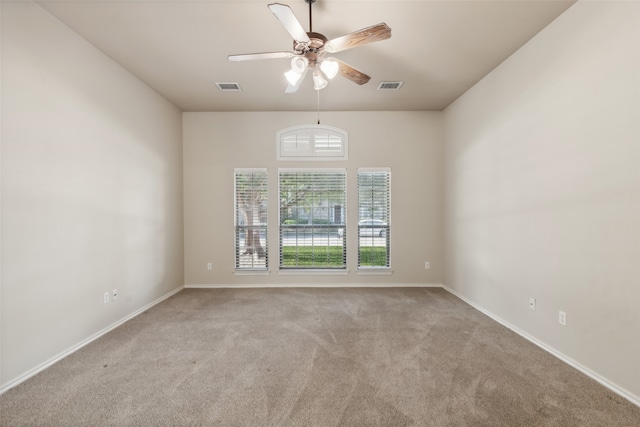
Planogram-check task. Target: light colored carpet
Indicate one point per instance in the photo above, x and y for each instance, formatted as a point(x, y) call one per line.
point(313, 357)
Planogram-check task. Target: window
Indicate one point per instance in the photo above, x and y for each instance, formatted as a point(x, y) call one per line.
point(373, 218)
point(312, 142)
point(312, 209)
point(251, 219)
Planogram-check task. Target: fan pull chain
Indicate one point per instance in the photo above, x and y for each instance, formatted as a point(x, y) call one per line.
point(318, 106)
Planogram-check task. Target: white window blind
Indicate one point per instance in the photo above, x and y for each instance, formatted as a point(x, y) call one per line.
point(374, 212)
point(312, 142)
point(312, 210)
point(251, 219)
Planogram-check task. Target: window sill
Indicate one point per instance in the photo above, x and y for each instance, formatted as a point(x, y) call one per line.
point(312, 272)
point(251, 272)
point(375, 271)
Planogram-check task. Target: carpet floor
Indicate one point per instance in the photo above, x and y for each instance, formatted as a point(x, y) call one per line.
point(313, 357)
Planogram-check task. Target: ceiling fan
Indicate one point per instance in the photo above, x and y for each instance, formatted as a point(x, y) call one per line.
point(310, 50)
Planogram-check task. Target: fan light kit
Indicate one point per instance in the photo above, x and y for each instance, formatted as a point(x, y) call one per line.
point(310, 49)
point(319, 82)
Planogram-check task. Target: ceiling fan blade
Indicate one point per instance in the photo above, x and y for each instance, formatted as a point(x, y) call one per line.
point(265, 55)
point(290, 22)
point(371, 34)
point(347, 71)
point(294, 88)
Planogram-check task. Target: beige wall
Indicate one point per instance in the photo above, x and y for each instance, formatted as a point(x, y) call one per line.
point(216, 143)
point(542, 190)
point(91, 191)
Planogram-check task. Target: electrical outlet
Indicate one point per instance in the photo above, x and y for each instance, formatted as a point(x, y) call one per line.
point(532, 303)
point(114, 294)
point(427, 265)
point(209, 266)
point(106, 297)
point(562, 318)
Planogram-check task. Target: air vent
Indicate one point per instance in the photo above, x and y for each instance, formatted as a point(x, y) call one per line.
point(389, 85)
point(228, 87)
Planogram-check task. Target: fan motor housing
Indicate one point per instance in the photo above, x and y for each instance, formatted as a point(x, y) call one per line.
point(316, 43)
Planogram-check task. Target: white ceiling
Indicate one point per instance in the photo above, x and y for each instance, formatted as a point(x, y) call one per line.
point(439, 49)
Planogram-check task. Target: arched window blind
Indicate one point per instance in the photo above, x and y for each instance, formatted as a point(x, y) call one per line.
point(312, 142)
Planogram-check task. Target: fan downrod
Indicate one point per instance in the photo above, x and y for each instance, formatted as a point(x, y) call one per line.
point(312, 49)
point(310, 2)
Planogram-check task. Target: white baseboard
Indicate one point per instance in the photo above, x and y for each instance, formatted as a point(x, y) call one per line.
point(613, 387)
point(22, 378)
point(316, 285)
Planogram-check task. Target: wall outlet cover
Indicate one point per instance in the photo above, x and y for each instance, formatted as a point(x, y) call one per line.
point(562, 318)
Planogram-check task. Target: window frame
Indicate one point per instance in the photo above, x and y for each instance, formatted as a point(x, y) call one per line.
point(284, 230)
point(242, 229)
point(385, 204)
point(314, 151)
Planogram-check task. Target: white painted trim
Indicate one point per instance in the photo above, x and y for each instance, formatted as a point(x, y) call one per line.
point(315, 285)
point(569, 361)
point(22, 378)
point(372, 271)
point(251, 272)
point(312, 272)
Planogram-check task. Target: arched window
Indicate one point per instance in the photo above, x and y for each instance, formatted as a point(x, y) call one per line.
point(312, 142)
